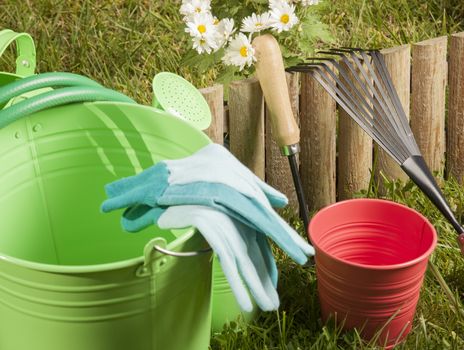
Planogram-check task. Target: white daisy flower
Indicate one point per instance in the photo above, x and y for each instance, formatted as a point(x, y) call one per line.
point(276, 3)
point(256, 23)
point(206, 44)
point(240, 52)
point(201, 26)
point(283, 17)
point(225, 28)
point(192, 7)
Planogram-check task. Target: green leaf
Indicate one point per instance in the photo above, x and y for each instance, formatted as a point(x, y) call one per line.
point(226, 76)
point(202, 62)
point(312, 31)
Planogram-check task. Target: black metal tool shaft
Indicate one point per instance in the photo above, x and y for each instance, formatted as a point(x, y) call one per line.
point(299, 189)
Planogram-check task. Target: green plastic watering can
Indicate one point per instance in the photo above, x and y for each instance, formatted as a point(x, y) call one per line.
point(70, 278)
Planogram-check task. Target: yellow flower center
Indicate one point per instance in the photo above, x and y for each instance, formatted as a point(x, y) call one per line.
point(284, 18)
point(202, 41)
point(197, 9)
point(216, 21)
point(201, 28)
point(243, 51)
point(258, 24)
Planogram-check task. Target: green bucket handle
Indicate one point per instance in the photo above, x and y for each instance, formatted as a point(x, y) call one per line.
point(158, 246)
point(26, 57)
point(59, 97)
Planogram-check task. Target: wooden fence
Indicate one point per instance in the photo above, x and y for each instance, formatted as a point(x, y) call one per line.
point(336, 155)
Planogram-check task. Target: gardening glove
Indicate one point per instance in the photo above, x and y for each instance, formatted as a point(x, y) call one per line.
point(248, 203)
point(137, 218)
point(244, 255)
point(223, 198)
point(213, 163)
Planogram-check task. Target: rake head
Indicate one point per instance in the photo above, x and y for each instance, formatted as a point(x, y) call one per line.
point(360, 83)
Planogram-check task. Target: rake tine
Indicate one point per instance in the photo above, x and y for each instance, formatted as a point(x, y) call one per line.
point(374, 99)
point(387, 78)
point(355, 97)
point(358, 49)
point(344, 102)
point(334, 53)
point(401, 115)
point(394, 121)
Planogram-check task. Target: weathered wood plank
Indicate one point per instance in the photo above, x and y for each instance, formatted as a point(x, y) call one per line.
point(455, 130)
point(318, 119)
point(246, 124)
point(398, 61)
point(354, 157)
point(429, 76)
point(214, 95)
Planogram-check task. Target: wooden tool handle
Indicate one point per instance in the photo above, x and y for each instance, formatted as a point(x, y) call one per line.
point(271, 74)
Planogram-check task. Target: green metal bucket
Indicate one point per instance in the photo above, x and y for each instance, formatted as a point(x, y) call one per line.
point(70, 278)
point(225, 306)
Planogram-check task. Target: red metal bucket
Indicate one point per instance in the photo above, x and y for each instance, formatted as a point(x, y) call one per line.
point(371, 257)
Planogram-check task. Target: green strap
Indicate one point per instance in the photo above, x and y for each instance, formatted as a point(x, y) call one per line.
point(25, 61)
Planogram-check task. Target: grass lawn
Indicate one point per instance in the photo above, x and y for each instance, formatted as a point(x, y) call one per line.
point(123, 43)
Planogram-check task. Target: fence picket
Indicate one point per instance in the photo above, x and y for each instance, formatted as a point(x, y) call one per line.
point(214, 95)
point(246, 124)
point(398, 61)
point(354, 157)
point(455, 130)
point(318, 121)
point(429, 76)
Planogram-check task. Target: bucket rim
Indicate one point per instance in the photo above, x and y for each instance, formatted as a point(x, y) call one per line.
point(408, 263)
point(187, 233)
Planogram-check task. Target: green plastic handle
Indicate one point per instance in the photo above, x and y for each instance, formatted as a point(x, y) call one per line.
point(45, 80)
point(25, 61)
point(57, 98)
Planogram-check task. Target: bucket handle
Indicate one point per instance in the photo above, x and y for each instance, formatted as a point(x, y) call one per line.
point(158, 245)
point(25, 61)
point(181, 255)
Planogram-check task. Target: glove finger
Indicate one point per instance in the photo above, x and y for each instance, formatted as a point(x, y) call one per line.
point(275, 197)
point(254, 252)
point(184, 216)
point(307, 248)
point(148, 176)
point(139, 217)
point(252, 266)
point(238, 206)
point(268, 258)
point(136, 196)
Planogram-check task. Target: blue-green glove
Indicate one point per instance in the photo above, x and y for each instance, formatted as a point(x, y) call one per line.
point(240, 195)
point(137, 218)
point(244, 255)
point(249, 211)
point(214, 164)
